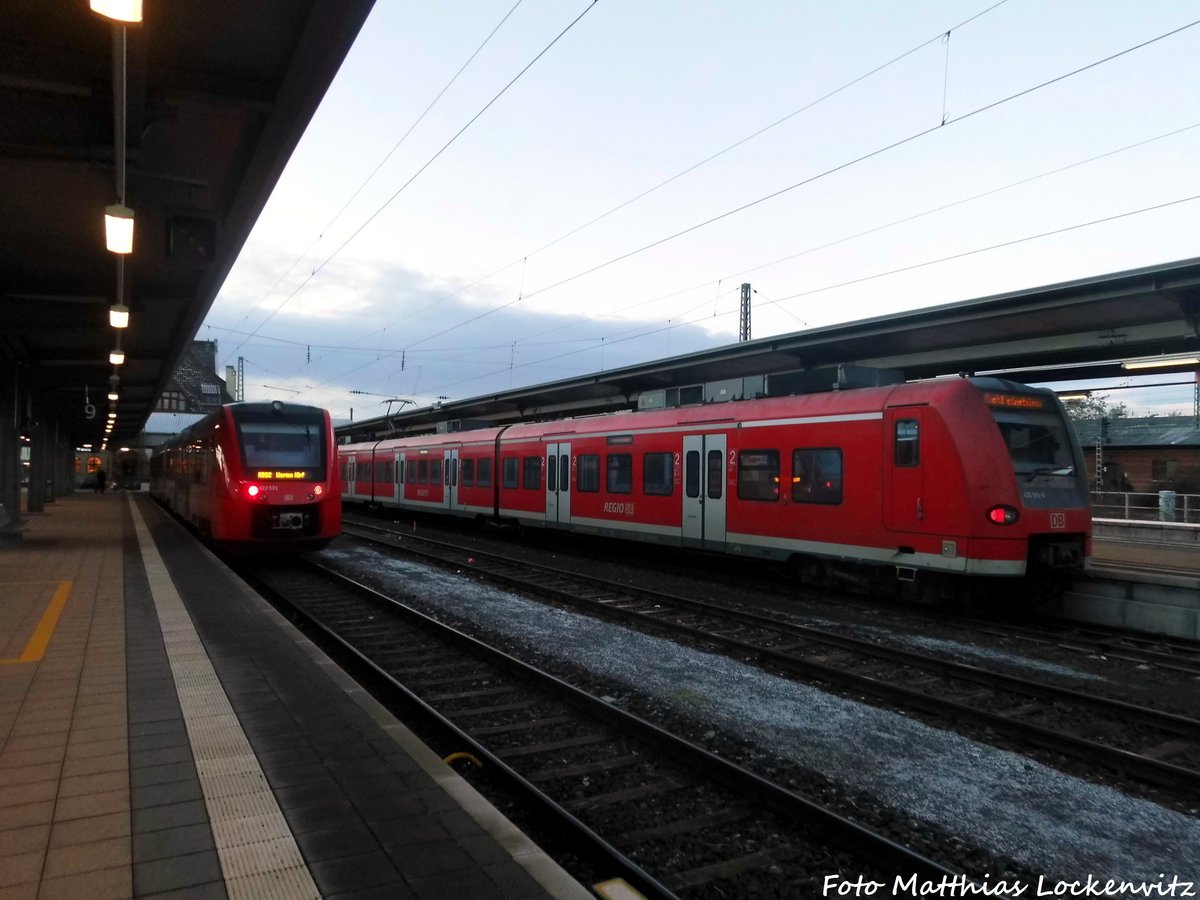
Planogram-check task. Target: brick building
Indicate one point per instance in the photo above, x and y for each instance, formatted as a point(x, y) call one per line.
point(1157, 453)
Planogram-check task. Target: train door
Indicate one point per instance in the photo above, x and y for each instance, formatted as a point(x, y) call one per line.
point(450, 479)
point(904, 497)
point(399, 487)
point(558, 485)
point(704, 491)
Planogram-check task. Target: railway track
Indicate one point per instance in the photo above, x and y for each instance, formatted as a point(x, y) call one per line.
point(1146, 745)
point(668, 816)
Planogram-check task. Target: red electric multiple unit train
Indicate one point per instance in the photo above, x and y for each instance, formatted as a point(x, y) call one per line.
point(254, 476)
point(979, 477)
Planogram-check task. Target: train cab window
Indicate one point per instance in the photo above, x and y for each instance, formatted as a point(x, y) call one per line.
point(435, 471)
point(485, 473)
point(531, 473)
point(691, 474)
point(468, 473)
point(758, 475)
point(907, 448)
point(619, 473)
point(716, 474)
point(512, 471)
point(817, 475)
point(589, 473)
point(658, 474)
point(423, 471)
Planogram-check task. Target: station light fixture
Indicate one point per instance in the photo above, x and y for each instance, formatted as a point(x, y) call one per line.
point(127, 11)
point(117, 357)
point(113, 383)
point(118, 315)
point(1161, 362)
point(118, 228)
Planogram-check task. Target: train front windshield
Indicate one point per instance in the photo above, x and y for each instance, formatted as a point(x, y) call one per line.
point(1042, 449)
point(282, 446)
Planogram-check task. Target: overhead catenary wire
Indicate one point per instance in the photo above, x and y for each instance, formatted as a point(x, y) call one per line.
point(371, 218)
point(855, 161)
point(758, 267)
point(810, 180)
point(693, 167)
point(380, 165)
point(853, 281)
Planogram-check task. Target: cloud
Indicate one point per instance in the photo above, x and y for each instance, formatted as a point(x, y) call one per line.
point(383, 331)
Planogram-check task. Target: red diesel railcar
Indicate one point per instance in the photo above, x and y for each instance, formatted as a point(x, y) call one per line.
point(254, 476)
point(976, 477)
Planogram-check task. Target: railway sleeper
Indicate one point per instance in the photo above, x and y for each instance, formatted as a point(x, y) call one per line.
point(582, 740)
point(615, 798)
point(731, 868)
point(690, 825)
point(585, 768)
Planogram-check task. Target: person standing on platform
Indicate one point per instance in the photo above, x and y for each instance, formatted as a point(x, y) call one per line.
point(101, 478)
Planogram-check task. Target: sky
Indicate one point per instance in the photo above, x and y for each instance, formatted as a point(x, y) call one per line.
point(498, 193)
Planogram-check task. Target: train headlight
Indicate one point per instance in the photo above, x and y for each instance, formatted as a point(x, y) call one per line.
point(252, 491)
point(1003, 515)
point(319, 490)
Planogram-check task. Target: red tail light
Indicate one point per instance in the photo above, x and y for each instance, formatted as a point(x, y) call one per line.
point(1003, 515)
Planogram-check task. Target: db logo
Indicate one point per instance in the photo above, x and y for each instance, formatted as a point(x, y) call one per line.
point(1058, 520)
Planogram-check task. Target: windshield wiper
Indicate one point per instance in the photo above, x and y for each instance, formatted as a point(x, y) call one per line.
point(1051, 470)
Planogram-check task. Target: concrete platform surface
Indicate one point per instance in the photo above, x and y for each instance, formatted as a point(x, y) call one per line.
point(165, 733)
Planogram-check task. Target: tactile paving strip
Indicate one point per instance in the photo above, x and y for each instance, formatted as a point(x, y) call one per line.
point(259, 856)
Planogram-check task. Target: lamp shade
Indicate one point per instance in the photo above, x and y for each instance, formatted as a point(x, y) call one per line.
point(118, 316)
point(117, 357)
point(118, 228)
point(119, 10)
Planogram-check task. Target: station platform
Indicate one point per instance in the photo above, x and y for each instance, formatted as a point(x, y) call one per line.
point(165, 733)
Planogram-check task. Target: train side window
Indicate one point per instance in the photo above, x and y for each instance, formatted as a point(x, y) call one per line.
point(512, 471)
point(452, 473)
point(485, 473)
point(589, 473)
point(716, 474)
point(619, 473)
point(564, 473)
point(758, 475)
point(531, 475)
point(658, 474)
point(411, 474)
point(423, 471)
point(345, 467)
point(551, 471)
point(691, 473)
point(907, 448)
point(399, 471)
point(817, 475)
point(468, 473)
point(435, 471)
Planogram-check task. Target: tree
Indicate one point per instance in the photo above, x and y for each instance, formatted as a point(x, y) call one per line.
point(1093, 408)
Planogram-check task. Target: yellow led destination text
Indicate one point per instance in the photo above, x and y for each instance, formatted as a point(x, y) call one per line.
point(1012, 401)
point(280, 476)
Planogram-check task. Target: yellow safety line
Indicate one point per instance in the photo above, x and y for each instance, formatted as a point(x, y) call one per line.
point(40, 638)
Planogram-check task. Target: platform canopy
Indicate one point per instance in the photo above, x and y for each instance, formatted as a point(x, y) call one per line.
point(189, 117)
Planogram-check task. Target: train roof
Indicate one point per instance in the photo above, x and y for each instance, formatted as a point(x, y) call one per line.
point(846, 402)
